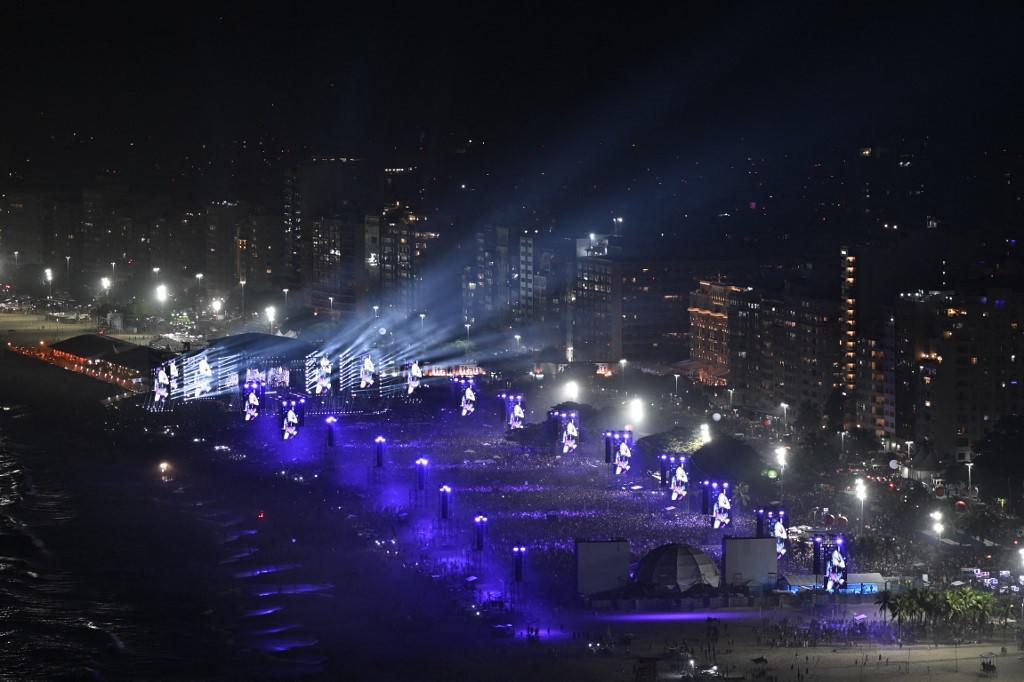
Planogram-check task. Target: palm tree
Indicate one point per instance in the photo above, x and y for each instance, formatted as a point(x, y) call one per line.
point(885, 603)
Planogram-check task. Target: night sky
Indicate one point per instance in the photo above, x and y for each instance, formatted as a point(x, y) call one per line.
point(568, 103)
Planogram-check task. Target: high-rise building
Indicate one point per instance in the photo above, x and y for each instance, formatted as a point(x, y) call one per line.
point(709, 329)
point(595, 328)
point(797, 344)
point(959, 367)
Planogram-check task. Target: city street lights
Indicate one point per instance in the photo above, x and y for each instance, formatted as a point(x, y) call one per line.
point(156, 272)
point(467, 326)
point(517, 337)
point(330, 300)
point(67, 263)
point(271, 312)
point(780, 457)
point(113, 271)
point(622, 364)
point(48, 273)
point(376, 308)
point(423, 316)
point(241, 283)
point(731, 391)
point(937, 526)
point(785, 414)
point(969, 465)
point(676, 376)
point(842, 441)
point(285, 299)
point(862, 494)
point(161, 296)
point(16, 258)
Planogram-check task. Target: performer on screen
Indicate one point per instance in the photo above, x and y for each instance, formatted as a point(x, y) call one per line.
point(161, 385)
point(517, 418)
point(174, 376)
point(291, 424)
point(468, 401)
point(570, 437)
point(205, 380)
point(622, 458)
point(367, 372)
point(252, 405)
point(415, 374)
point(722, 510)
point(323, 377)
point(679, 482)
point(779, 531)
point(834, 571)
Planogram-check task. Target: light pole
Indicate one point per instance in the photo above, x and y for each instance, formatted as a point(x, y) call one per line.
point(676, 376)
point(285, 300)
point(376, 308)
point(330, 300)
point(156, 272)
point(271, 312)
point(423, 316)
point(937, 526)
point(969, 465)
point(16, 258)
point(467, 326)
point(862, 494)
point(67, 263)
point(780, 457)
point(731, 391)
point(241, 283)
point(113, 271)
point(161, 296)
point(842, 441)
point(518, 338)
point(48, 273)
point(785, 414)
point(622, 364)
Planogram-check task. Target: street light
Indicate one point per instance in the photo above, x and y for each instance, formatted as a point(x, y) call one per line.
point(677, 383)
point(271, 312)
point(571, 390)
point(241, 283)
point(156, 271)
point(731, 391)
point(969, 465)
point(636, 410)
point(16, 258)
point(423, 316)
point(622, 364)
point(785, 414)
point(780, 457)
point(113, 270)
point(216, 304)
point(330, 299)
point(67, 262)
point(467, 326)
point(862, 495)
point(161, 293)
point(105, 284)
point(517, 337)
point(285, 299)
point(842, 441)
point(48, 273)
point(375, 309)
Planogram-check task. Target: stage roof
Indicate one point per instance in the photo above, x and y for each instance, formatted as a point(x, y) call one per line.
point(254, 344)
